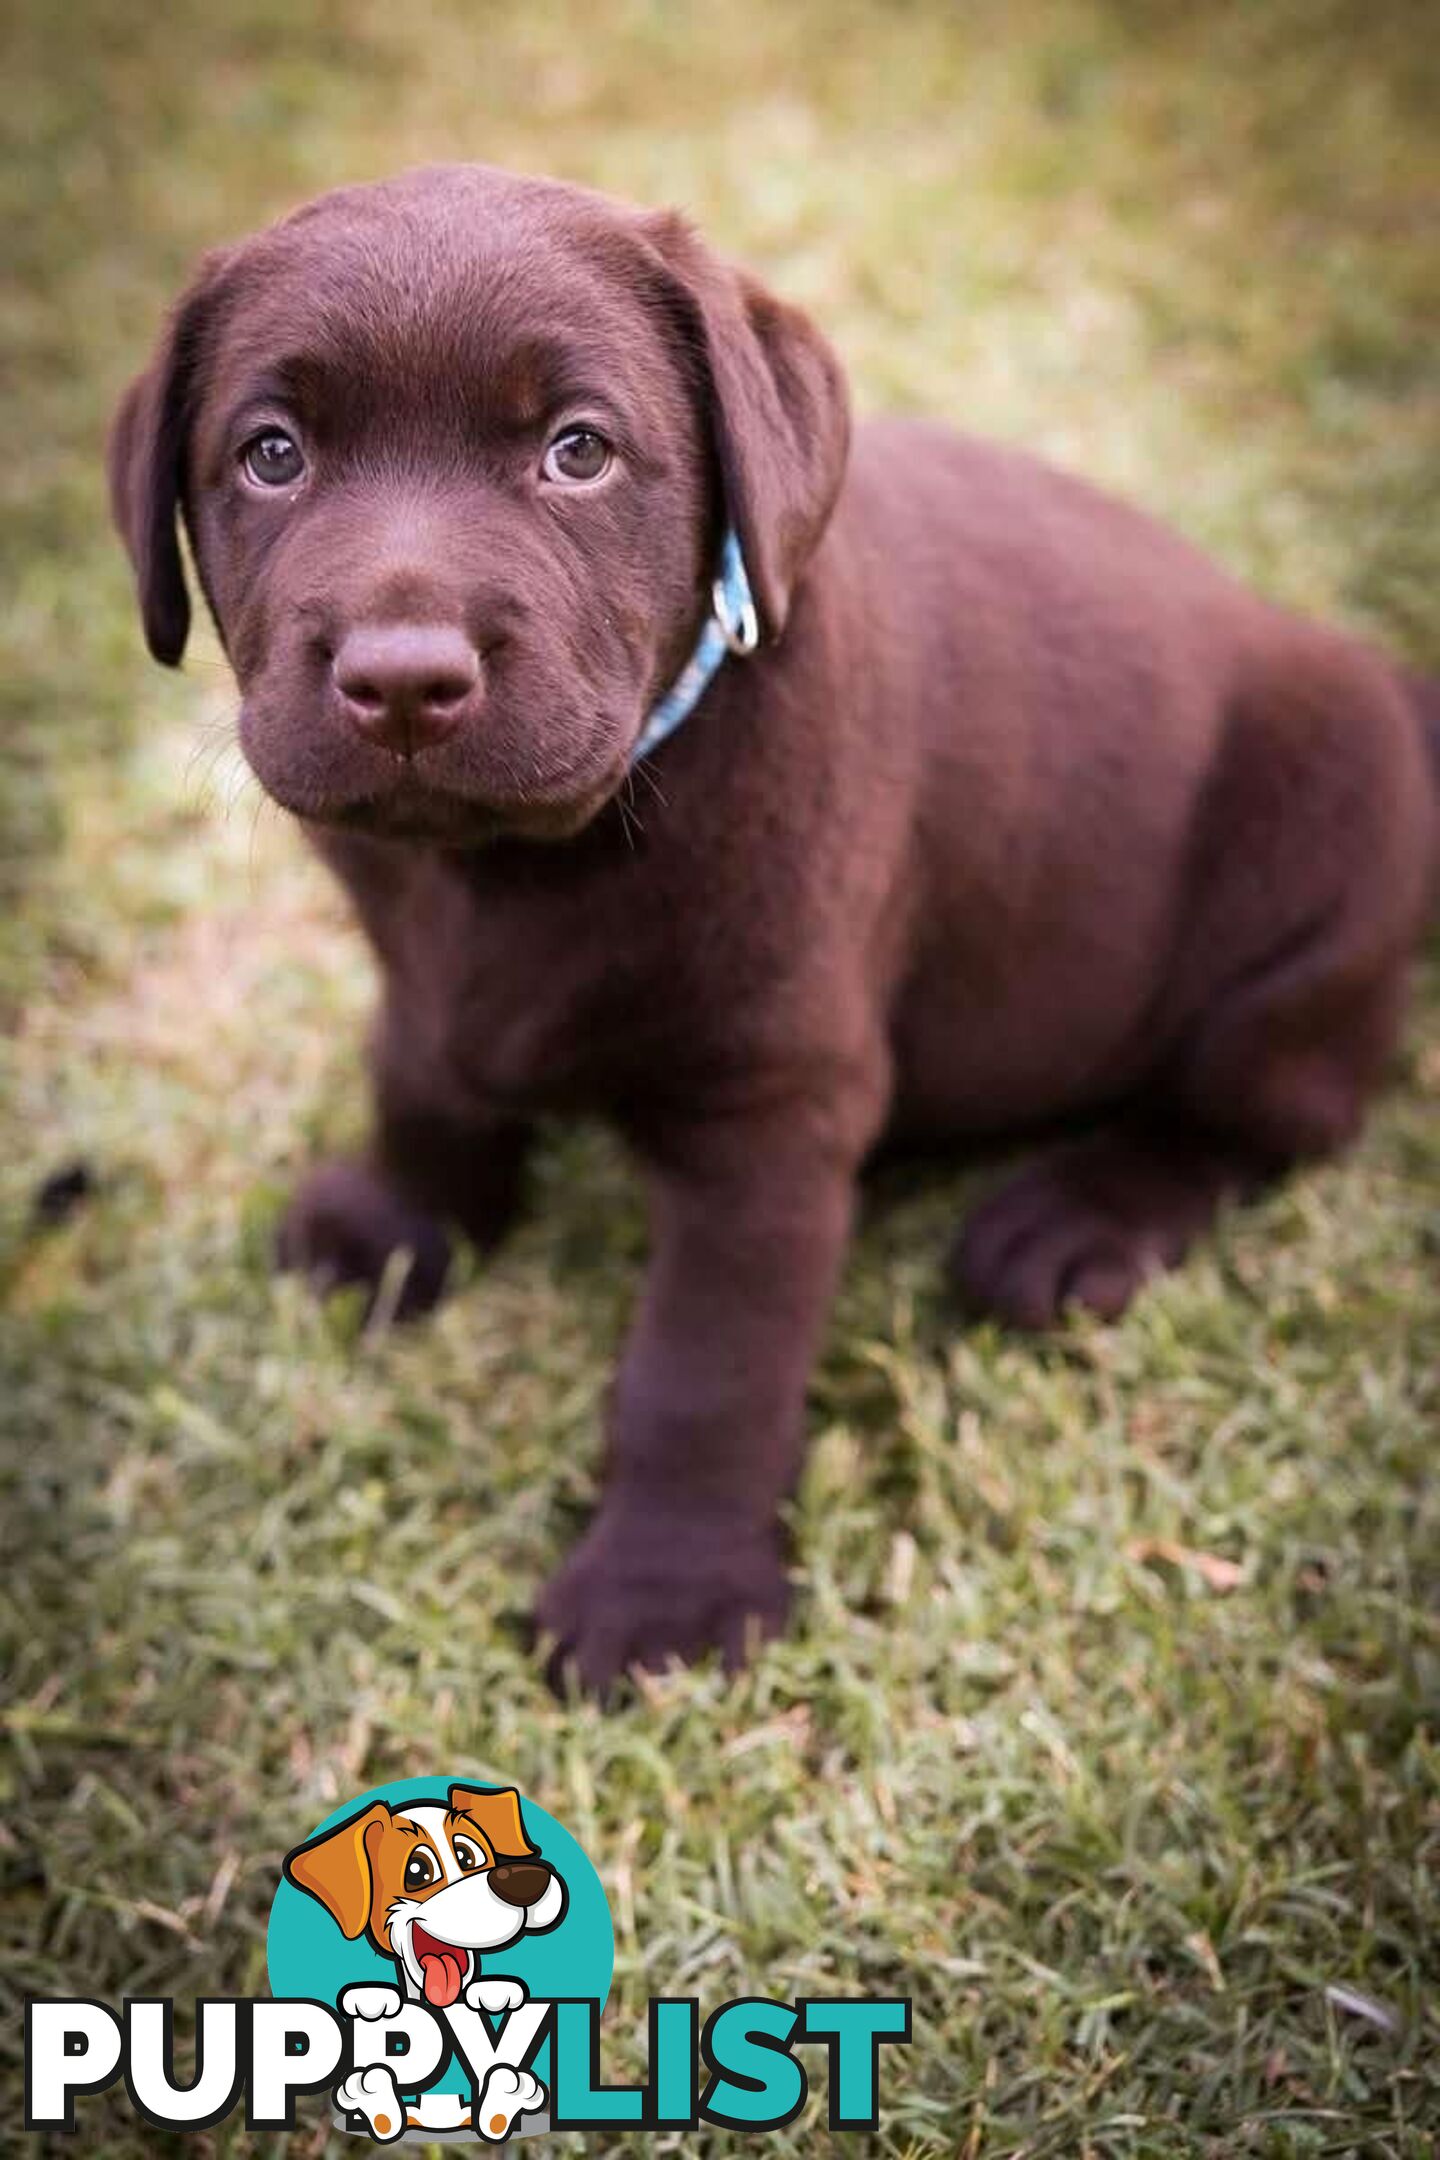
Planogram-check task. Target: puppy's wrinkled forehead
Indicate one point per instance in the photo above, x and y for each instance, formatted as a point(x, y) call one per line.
point(456, 304)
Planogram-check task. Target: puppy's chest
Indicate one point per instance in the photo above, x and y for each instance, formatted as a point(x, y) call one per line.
point(544, 1000)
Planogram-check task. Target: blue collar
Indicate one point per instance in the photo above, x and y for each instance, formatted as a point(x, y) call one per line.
point(731, 627)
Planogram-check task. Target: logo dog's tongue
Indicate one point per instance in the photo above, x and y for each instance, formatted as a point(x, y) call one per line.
point(442, 1967)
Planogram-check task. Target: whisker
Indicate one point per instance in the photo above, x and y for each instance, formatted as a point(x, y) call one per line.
point(260, 801)
point(644, 771)
point(630, 822)
point(216, 741)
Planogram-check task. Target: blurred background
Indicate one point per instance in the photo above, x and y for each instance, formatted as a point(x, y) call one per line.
point(1108, 1730)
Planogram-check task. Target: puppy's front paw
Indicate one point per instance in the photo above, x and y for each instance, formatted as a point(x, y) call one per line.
point(370, 2001)
point(495, 1996)
point(346, 1225)
point(643, 1590)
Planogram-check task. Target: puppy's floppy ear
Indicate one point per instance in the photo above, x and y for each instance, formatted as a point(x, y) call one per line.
point(779, 413)
point(146, 459)
point(497, 1816)
point(335, 1869)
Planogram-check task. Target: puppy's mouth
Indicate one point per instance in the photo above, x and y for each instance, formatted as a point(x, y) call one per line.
point(456, 795)
point(444, 1968)
point(410, 811)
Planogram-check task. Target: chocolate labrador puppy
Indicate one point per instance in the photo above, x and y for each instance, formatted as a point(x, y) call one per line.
point(767, 793)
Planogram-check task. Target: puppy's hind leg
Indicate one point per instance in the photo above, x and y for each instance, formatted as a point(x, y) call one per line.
point(1293, 1019)
point(382, 1223)
point(1090, 1224)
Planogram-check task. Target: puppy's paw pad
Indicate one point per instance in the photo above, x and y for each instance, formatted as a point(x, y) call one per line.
point(373, 2094)
point(505, 2095)
point(495, 1996)
point(347, 1227)
point(370, 2002)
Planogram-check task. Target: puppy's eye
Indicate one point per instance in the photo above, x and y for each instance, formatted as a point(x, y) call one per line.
point(466, 1854)
point(420, 1870)
point(577, 454)
point(273, 459)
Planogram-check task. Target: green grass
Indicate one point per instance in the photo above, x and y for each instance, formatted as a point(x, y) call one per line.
point(1115, 1817)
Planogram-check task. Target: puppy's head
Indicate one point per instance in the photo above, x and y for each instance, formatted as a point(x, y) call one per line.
point(455, 454)
point(433, 1886)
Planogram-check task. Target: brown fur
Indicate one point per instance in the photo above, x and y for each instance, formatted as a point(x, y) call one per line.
point(1025, 811)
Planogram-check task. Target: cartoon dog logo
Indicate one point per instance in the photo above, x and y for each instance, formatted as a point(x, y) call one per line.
point(435, 1888)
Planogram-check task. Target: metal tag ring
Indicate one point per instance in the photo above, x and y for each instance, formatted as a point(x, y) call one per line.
point(740, 632)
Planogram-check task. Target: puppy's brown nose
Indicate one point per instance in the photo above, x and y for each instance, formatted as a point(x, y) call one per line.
point(406, 686)
point(519, 1882)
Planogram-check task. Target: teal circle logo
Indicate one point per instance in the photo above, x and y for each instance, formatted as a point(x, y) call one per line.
point(442, 1892)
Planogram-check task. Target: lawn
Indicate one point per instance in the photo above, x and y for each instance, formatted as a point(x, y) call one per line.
point(1109, 1729)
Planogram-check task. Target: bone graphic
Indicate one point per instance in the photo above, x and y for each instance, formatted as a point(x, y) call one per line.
point(374, 2094)
point(505, 2095)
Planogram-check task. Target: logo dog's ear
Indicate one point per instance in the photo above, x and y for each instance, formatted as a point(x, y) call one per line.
point(497, 1816)
point(779, 412)
point(335, 1869)
point(146, 462)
